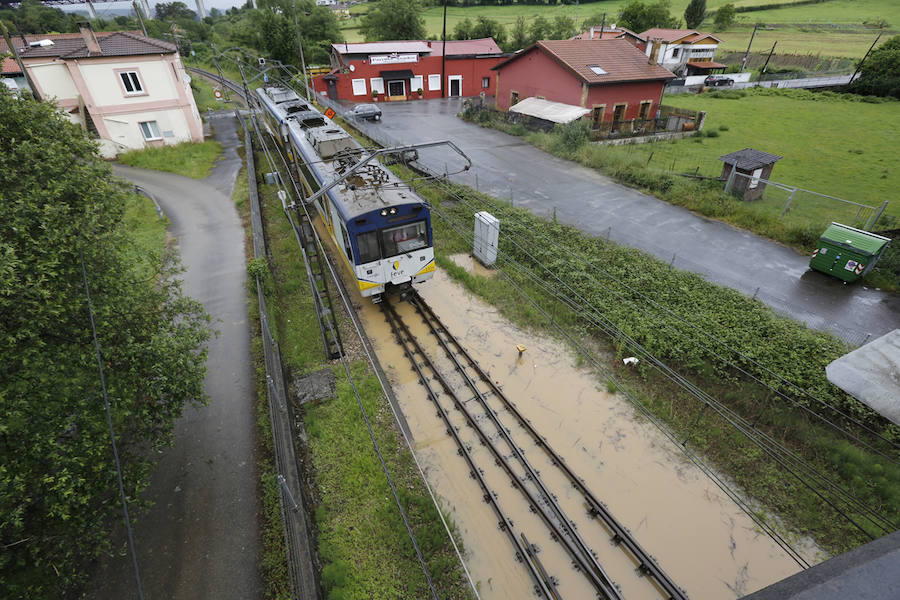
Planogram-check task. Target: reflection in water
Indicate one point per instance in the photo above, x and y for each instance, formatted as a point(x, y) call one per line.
point(698, 535)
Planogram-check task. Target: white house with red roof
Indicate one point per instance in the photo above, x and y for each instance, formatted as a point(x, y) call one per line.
point(398, 70)
point(128, 90)
point(683, 51)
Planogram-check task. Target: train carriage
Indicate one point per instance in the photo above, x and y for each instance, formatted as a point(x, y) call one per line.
point(382, 229)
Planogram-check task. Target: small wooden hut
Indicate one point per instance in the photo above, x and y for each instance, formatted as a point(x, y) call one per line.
point(745, 171)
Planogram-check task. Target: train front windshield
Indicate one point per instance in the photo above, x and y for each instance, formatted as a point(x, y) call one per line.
point(392, 241)
point(405, 238)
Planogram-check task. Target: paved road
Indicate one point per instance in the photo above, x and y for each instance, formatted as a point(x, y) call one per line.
point(201, 538)
point(507, 167)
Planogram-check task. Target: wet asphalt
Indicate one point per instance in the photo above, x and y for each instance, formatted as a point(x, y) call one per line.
point(508, 168)
point(201, 538)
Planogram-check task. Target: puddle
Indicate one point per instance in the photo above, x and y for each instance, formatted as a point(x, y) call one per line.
point(472, 265)
point(696, 533)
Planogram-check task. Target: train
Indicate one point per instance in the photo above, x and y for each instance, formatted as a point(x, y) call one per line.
point(381, 228)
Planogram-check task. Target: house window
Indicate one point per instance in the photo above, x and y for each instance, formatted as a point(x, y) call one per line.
point(359, 87)
point(434, 82)
point(131, 82)
point(597, 69)
point(645, 109)
point(377, 84)
point(619, 113)
point(485, 82)
point(416, 84)
point(597, 116)
point(150, 130)
point(675, 52)
point(513, 98)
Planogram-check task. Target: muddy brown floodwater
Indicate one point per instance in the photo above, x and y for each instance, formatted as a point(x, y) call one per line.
point(699, 536)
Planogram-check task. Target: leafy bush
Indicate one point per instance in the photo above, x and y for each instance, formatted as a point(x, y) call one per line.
point(570, 136)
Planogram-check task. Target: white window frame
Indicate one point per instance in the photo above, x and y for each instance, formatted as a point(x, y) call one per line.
point(416, 84)
point(458, 78)
point(148, 127)
point(133, 79)
point(359, 84)
point(485, 83)
point(434, 82)
point(377, 84)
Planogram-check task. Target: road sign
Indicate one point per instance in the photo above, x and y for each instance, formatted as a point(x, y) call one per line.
point(218, 94)
point(330, 113)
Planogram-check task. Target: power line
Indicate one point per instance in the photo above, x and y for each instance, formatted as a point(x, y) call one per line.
point(112, 433)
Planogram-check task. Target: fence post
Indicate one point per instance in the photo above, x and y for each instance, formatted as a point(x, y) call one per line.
point(788, 204)
point(877, 216)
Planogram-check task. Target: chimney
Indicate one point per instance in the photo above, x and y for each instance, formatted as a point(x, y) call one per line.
point(592, 33)
point(429, 43)
point(654, 51)
point(90, 40)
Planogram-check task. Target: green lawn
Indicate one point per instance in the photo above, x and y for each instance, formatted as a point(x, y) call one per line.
point(836, 147)
point(192, 159)
point(796, 39)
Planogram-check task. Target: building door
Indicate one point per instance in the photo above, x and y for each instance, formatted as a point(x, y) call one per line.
point(454, 85)
point(618, 115)
point(397, 89)
point(597, 116)
point(332, 88)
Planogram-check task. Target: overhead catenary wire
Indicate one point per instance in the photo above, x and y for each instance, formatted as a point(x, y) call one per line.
point(771, 447)
point(112, 432)
point(447, 188)
point(349, 376)
point(647, 413)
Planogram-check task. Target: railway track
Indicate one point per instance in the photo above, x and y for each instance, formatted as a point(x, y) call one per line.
point(463, 386)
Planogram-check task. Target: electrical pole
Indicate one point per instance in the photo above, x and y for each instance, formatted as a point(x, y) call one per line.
point(140, 17)
point(300, 50)
point(747, 55)
point(761, 73)
point(444, 53)
point(859, 66)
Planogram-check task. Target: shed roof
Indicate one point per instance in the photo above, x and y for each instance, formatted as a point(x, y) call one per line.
point(844, 235)
point(620, 60)
point(749, 159)
point(10, 67)
point(871, 374)
point(556, 112)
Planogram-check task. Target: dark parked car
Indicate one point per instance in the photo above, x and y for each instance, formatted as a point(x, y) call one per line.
point(715, 80)
point(366, 111)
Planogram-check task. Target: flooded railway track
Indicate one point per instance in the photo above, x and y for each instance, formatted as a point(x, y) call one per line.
point(480, 403)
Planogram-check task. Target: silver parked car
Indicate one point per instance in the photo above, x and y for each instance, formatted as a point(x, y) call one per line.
point(370, 112)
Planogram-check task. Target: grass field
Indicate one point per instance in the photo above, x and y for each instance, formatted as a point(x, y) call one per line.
point(798, 39)
point(191, 159)
point(834, 147)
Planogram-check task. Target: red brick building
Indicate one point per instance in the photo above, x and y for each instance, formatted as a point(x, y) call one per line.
point(609, 76)
point(398, 70)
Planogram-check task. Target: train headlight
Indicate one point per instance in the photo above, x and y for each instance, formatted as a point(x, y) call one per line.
point(383, 212)
point(393, 210)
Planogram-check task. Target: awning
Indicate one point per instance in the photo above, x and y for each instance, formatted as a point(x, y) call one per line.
point(394, 75)
point(706, 64)
point(557, 112)
point(871, 374)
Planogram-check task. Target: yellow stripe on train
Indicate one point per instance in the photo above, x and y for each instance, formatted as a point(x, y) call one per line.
point(366, 285)
point(429, 268)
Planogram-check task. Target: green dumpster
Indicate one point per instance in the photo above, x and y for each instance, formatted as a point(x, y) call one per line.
point(847, 253)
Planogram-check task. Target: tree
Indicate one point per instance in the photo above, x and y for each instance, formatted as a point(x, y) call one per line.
point(880, 73)
point(485, 27)
point(518, 37)
point(724, 17)
point(58, 488)
point(695, 13)
point(32, 16)
point(540, 29)
point(463, 30)
point(167, 11)
point(638, 16)
point(562, 28)
point(394, 20)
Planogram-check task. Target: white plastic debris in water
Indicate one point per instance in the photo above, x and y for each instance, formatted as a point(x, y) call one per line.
point(631, 360)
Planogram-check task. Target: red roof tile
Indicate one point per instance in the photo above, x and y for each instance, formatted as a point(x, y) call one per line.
point(618, 58)
point(71, 45)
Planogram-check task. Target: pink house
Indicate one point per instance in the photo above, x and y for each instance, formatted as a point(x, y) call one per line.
point(128, 90)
